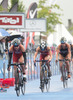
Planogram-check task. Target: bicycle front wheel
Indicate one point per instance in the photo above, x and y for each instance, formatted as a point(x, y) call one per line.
point(17, 82)
point(23, 88)
point(42, 87)
point(48, 84)
point(18, 92)
point(65, 84)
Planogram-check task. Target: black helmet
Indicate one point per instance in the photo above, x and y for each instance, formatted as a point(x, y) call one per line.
point(63, 40)
point(43, 45)
point(16, 42)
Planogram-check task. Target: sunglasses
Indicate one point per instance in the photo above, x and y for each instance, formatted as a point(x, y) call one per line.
point(16, 45)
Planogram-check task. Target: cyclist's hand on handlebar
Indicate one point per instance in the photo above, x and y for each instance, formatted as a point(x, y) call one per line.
point(56, 60)
point(8, 68)
point(49, 60)
point(34, 61)
point(69, 59)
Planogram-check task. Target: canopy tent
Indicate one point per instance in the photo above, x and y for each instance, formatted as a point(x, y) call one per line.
point(60, 31)
point(14, 34)
point(3, 33)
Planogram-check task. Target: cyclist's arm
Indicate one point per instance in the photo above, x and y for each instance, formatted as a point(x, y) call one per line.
point(35, 55)
point(24, 53)
point(10, 55)
point(69, 51)
point(50, 53)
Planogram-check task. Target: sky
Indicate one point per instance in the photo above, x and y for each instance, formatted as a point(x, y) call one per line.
point(66, 5)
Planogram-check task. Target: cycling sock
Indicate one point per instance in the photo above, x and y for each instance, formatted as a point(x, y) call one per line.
point(68, 72)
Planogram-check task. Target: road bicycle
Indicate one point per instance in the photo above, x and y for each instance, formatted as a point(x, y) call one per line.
point(19, 78)
point(46, 79)
point(64, 73)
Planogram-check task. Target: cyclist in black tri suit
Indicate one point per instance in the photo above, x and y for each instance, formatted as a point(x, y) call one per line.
point(63, 51)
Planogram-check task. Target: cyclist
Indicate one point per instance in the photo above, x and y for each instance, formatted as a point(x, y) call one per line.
point(71, 47)
point(63, 51)
point(19, 56)
point(45, 54)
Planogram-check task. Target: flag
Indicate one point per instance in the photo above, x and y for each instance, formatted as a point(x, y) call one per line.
point(32, 13)
point(32, 41)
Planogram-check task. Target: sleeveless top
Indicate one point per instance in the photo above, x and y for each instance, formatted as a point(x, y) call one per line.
point(64, 51)
point(45, 53)
point(17, 51)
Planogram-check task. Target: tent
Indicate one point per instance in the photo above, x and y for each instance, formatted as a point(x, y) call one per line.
point(60, 31)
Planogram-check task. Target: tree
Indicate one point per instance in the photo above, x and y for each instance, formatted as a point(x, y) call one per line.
point(52, 18)
point(1, 8)
point(21, 7)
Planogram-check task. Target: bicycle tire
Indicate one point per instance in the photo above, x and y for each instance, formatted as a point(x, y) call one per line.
point(23, 87)
point(64, 77)
point(16, 80)
point(42, 84)
point(48, 85)
point(18, 91)
point(42, 88)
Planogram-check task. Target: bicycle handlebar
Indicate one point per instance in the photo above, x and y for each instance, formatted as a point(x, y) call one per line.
point(41, 60)
point(63, 59)
point(16, 64)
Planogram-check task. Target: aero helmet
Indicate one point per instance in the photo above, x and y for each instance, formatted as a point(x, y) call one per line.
point(16, 42)
point(63, 40)
point(43, 45)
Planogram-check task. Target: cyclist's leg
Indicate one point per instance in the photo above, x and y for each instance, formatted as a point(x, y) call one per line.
point(61, 64)
point(49, 71)
point(68, 68)
point(21, 60)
